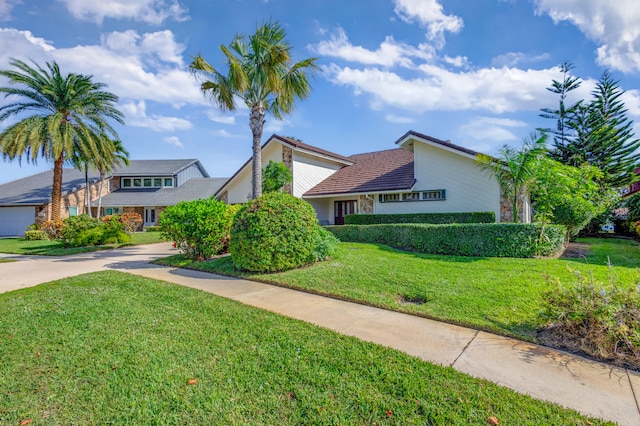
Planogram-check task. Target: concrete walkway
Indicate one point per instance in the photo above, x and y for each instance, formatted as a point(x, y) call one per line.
point(590, 387)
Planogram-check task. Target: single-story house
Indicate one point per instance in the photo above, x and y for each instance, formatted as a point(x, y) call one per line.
point(422, 175)
point(145, 186)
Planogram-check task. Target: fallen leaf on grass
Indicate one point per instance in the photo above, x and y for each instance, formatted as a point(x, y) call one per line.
point(25, 422)
point(389, 413)
point(38, 354)
point(192, 381)
point(493, 421)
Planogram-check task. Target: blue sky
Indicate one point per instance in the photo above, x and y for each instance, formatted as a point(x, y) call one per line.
point(474, 72)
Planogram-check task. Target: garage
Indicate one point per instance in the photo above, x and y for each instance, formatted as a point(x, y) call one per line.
point(14, 220)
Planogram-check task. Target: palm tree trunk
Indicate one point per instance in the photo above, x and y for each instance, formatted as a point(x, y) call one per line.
point(87, 194)
point(56, 189)
point(256, 123)
point(100, 194)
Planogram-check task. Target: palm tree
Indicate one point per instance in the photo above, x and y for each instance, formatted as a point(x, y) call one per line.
point(514, 170)
point(111, 153)
point(66, 115)
point(261, 74)
point(118, 157)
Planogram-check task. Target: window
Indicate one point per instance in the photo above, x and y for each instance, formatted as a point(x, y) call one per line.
point(438, 194)
point(147, 182)
point(111, 210)
point(411, 196)
point(431, 195)
point(73, 210)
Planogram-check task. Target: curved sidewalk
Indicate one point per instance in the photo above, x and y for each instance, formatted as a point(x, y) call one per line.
point(590, 387)
point(593, 388)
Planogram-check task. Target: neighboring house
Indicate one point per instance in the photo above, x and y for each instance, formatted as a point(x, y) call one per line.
point(147, 187)
point(28, 200)
point(423, 175)
point(633, 188)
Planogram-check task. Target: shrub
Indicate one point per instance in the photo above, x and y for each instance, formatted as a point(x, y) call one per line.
point(199, 228)
point(53, 228)
point(277, 232)
point(35, 234)
point(602, 321)
point(153, 228)
point(131, 221)
point(488, 240)
point(433, 218)
point(74, 226)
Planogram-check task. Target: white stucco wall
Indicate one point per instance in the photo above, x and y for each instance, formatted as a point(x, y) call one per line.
point(239, 191)
point(308, 171)
point(324, 210)
point(468, 189)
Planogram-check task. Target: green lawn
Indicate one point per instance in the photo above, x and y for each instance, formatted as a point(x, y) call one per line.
point(114, 348)
point(54, 248)
point(501, 295)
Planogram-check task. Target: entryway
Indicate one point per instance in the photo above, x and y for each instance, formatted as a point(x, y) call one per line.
point(149, 216)
point(343, 208)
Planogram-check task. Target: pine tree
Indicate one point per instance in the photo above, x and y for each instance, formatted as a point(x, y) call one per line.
point(564, 132)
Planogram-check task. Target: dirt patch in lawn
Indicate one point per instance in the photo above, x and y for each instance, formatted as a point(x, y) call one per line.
point(576, 251)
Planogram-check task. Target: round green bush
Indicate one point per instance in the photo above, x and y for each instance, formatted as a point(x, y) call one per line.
point(277, 232)
point(199, 228)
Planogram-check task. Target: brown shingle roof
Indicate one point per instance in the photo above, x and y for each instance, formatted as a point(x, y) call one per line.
point(371, 172)
point(300, 145)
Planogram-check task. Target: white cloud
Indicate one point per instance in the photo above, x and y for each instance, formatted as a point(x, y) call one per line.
point(159, 46)
point(429, 14)
point(611, 24)
point(491, 128)
point(273, 125)
point(511, 59)
point(390, 52)
point(5, 8)
point(497, 90)
point(222, 133)
point(150, 11)
point(391, 118)
point(173, 140)
point(136, 115)
point(457, 61)
point(222, 119)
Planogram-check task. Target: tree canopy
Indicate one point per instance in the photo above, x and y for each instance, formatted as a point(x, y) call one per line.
point(261, 73)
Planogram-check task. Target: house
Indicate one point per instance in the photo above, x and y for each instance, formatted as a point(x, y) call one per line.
point(28, 200)
point(423, 174)
point(145, 186)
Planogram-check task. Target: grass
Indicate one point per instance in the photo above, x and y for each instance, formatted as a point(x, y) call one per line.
point(113, 348)
point(501, 295)
point(54, 248)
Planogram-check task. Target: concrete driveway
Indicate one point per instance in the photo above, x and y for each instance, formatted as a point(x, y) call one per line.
point(28, 271)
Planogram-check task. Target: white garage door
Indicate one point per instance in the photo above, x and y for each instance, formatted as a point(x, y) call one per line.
point(14, 220)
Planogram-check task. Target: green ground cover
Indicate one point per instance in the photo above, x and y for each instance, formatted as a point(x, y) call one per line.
point(501, 295)
point(54, 248)
point(114, 348)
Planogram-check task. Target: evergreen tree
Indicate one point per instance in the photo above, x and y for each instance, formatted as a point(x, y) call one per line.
point(597, 132)
point(564, 132)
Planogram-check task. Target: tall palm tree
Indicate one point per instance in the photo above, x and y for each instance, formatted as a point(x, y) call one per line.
point(118, 157)
point(60, 116)
point(111, 153)
point(262, 75)
point(514, 170)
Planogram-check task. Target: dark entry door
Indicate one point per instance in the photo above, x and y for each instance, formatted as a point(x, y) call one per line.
point(343, 208)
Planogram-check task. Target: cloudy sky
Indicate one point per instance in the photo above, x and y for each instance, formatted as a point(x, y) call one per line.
point(474, 72)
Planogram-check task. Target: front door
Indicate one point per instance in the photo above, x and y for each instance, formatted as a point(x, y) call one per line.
point(149, 216)
point(343, 208)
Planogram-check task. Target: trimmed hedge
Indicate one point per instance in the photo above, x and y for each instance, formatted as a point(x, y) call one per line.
point(433, 218)
point(484, 240)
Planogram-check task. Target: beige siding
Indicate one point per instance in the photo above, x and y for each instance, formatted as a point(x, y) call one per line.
point(239, 191)
point(309, 171)
point(467, 187)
